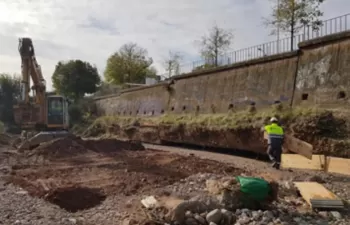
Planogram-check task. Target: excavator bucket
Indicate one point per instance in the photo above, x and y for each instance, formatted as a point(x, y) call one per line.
point(39, 138)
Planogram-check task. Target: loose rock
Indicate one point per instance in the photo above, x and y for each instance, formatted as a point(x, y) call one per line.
point(191, 221)
point(214, 216)
point(227, 217)
point(214, 186)
point(200, 219)
point(336, 215)
point(178, 214)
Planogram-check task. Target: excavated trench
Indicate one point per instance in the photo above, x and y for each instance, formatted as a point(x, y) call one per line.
point(74, 199)
point(327, 133)
point(227, 151)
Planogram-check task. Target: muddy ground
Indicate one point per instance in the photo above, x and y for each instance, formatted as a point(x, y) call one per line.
point(95, 182)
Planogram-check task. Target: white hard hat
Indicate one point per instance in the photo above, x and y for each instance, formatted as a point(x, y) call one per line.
point(273, 119)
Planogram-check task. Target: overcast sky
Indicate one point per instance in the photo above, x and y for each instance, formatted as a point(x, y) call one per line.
point(92, 30)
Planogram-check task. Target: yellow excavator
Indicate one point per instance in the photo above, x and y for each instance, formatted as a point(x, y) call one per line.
point(44, 115)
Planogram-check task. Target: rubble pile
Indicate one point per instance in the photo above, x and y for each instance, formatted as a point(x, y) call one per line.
point(111, 182)
point(219, 202)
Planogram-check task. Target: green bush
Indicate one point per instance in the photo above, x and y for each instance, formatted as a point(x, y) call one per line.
point(75, 114)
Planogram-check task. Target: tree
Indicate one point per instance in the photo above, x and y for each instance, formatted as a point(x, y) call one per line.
point(107, 89)
point(203, 67)
point(75, 78)
point(9, 93)
point(215, 44)
point(289, 16)
point(130, 64)
point(172, 64)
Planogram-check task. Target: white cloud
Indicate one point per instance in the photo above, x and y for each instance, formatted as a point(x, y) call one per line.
point(93, 29)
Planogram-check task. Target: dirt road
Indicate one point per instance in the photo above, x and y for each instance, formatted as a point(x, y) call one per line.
point(102, 182)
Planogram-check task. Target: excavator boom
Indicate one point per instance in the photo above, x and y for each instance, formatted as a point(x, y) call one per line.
point(31, 69)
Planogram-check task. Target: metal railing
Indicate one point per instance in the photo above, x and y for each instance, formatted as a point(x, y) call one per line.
point(330, 26)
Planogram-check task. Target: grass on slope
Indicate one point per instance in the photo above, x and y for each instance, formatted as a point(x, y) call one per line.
point(231, 120)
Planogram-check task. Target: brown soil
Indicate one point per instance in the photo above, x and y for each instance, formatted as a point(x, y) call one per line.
point(63, 147)
point(107, 168)
point(116, 172)
point(73, 146)
point(326, 132)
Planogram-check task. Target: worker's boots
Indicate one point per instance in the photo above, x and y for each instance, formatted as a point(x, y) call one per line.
point(276, 165)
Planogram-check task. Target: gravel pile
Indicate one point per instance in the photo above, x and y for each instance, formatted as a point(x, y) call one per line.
point(288, 209)
point(191, 186)
point(17, 207)
point(262, 217)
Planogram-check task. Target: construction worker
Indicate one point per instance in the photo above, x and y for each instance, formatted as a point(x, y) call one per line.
point(275, 141)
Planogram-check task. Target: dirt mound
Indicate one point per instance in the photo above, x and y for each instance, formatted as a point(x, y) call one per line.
point(63, 147)
point(74, 199)
point(72, 146)
point(113, 145)
point(324, 125)
point(329, 134)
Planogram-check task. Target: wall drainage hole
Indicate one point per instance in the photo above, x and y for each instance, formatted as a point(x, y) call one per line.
point(76, 198)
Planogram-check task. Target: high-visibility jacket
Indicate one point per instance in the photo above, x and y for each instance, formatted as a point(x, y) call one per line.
point(275, 135)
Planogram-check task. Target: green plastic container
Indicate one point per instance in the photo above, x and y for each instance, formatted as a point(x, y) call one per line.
point(254, 188)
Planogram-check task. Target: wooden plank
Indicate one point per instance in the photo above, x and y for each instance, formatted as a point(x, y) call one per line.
point(315, 191)
point(265, 135)
point(298, 146)
point(338, 165)
point(300, 162)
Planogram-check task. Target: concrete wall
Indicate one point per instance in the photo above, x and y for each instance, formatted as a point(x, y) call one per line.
point(323, 77)
point(318, 74)
point(148, 101)
point(261, 82)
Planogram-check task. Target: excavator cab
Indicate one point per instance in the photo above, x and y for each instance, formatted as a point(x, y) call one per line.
point(57, 113)
point(55, 125)
point(50, 116)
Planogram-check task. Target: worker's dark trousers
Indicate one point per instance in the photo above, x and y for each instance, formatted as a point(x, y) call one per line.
point(274, 154)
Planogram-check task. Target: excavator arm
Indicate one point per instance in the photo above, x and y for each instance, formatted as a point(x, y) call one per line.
point(31, 69)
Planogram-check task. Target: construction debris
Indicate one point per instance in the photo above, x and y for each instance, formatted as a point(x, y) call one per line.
point(317, 162)
point(298, 146)
point(338, 165)
point(104, 181)
point(150, 202)
point(300, 162)
point(317, 196)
